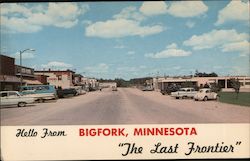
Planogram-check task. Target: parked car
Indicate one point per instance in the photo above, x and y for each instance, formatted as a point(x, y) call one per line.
point(39, 92)
point(79, 90)
point(92, 89)
point(184, 93)
point(61, 93)
point(169, 89)
point(147, 88)
point(205, 94)
point(14, 98)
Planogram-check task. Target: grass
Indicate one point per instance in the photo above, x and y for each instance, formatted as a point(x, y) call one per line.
point(231, 97)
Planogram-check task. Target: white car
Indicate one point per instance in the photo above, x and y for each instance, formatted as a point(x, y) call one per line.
point(184, 93)
point(14, 98)
point(205, 94)
point(79, 90)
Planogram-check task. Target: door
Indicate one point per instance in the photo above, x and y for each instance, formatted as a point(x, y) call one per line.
point(210, 94)
point(13, 98)
point(4, 98)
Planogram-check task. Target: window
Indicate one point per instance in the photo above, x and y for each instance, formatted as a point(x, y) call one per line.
point(13, 94)
point(247, 83)
point(3, 94)
point(40, 88)
point(59, 77)
point(28, 71)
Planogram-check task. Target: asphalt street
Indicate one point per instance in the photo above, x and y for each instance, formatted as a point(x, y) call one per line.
point(125, 106)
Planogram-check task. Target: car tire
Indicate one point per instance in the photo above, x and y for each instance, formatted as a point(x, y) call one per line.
point(40, 100)
point(21, 104)
point(205, 98)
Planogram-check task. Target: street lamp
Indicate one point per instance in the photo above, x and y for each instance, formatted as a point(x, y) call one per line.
point(21, 52)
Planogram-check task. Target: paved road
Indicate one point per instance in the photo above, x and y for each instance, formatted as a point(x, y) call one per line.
point(126, 106)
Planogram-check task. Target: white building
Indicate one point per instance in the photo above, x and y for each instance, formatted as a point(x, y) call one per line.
point(90, 82)
point(224, 82)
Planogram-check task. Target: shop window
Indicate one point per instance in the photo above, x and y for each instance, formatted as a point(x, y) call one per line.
point(247, 83)
point(59, 77)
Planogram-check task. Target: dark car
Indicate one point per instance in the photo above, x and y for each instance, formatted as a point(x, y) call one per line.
point(61, 93)
point(92, 89)
point(169, 89)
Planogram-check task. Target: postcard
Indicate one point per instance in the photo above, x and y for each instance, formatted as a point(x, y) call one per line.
point(125, 80)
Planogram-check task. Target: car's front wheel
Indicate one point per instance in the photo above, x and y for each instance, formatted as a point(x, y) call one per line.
point(205, 98)
point(21, 104)
point(40, 100)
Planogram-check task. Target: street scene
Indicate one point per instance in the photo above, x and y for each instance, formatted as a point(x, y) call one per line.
point(124, 63)
point(124, 106)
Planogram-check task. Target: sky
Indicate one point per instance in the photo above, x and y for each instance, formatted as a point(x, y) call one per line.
point(129, 39)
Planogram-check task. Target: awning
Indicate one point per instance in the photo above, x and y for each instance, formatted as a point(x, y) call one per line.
point(31, 82)
point(9, 78)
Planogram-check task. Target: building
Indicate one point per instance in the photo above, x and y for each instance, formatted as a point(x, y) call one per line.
point(12, 76)
point(78, 80)
point(42, 79)
point(90, 82)
point(27, 75)
point(224, 82)
point(8, 79)
point(58, 78)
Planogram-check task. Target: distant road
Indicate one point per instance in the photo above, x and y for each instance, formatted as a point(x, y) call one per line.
point(125, 106)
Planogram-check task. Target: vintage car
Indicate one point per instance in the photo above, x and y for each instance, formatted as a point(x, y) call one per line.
point(169, 89)
point(205, 94)
point(184, 93)
point(62, 93)
point(79, 90)
point(39, 92)
point(8, 98)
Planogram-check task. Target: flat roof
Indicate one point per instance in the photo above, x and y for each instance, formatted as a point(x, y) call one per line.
point(52, 71)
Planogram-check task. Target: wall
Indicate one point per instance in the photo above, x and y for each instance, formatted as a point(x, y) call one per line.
point(59, 79)
point(7, 65)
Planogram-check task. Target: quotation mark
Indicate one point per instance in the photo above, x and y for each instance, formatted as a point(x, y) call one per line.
point(121, 144)
point(238, 142)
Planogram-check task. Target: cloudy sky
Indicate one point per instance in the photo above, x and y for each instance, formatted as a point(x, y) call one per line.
point(129, 39)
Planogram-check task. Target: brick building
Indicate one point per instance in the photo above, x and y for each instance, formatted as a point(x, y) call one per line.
point(8, 79)
point(58, 78)
point(28, 77)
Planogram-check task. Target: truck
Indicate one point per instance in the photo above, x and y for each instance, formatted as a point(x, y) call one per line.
point(184, 93)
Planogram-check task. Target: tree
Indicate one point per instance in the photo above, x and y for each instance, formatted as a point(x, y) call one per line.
point(188, 84)
point(215, 87)
point(235, 83)
point(200, 74)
